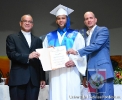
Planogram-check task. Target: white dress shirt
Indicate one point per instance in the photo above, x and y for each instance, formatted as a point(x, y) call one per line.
point(89, 32)
point(27, 36)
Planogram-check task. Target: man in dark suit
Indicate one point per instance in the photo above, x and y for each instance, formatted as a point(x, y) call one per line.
point(98, 57)
point(26, 74)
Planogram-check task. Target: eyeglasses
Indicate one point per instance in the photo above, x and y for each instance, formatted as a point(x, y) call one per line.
point(25, 21)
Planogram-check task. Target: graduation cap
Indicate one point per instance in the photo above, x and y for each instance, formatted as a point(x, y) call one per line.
point(62, 10)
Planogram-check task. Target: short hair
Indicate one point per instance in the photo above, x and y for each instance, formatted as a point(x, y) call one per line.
point(90, 12)
point(26, 15)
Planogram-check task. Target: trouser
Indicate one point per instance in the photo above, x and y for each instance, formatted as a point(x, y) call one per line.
point(24, 92)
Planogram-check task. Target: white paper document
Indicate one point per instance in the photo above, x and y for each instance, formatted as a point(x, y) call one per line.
point(53, 58)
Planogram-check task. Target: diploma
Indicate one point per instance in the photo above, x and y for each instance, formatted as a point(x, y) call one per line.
point(53, 58)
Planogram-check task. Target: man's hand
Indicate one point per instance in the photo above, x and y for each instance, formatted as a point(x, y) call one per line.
point(70, 63)
point(42, 84)
point(34, 55)
point(84, 81)
point(71, 51)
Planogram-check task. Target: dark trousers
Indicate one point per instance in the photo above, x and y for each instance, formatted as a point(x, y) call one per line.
point(24, 92)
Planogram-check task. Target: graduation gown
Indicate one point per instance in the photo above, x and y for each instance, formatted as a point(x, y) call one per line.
point(64, 83)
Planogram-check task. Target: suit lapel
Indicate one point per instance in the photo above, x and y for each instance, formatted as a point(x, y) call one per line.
point(32, 40)
point(23, 39)
point(93, 34)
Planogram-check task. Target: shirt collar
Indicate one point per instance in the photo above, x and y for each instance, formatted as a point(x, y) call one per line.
point(91, 31)
point(25, 33)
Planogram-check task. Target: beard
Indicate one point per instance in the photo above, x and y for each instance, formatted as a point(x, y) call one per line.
point(61, 27)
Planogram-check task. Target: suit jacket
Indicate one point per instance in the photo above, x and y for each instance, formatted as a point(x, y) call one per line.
point(23, 69)
point(98, 51)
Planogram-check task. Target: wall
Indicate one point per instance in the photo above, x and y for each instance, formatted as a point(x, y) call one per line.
point(116, 41)
point(44, 22)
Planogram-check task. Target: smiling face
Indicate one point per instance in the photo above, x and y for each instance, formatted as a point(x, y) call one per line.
point(26, 23)
point(90, 20)
point(61, 21)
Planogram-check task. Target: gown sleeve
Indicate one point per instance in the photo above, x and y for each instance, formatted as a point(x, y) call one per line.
point(80, 62)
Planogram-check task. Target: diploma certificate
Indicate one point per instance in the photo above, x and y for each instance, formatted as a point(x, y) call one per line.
point(53, 58)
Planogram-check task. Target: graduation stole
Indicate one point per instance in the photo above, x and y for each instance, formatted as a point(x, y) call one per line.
point(67, 41)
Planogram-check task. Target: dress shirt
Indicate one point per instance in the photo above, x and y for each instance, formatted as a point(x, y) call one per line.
point(89, 33)
point(27, 36)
